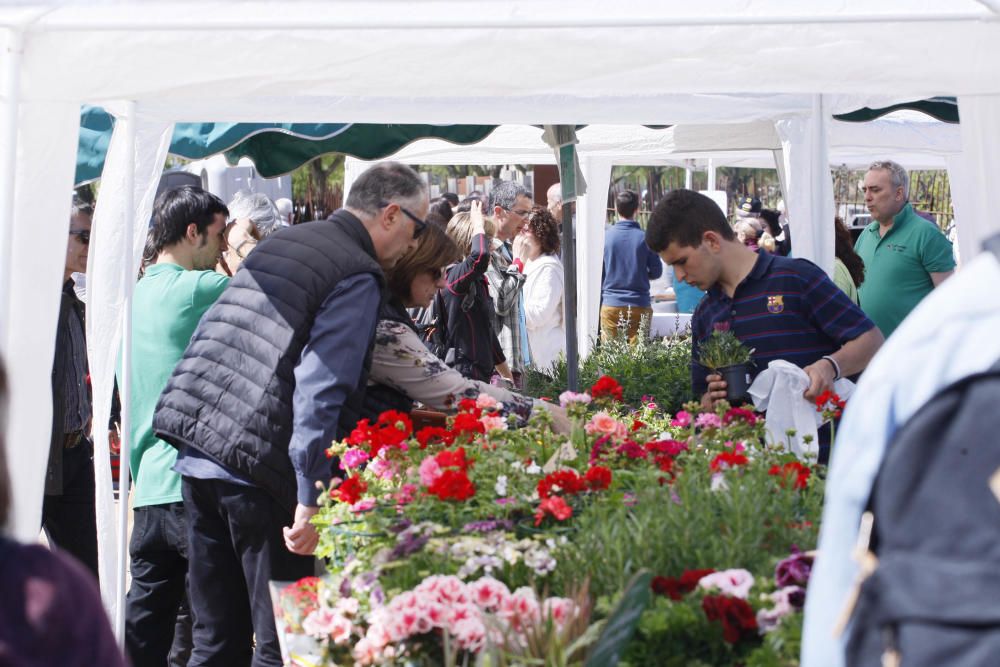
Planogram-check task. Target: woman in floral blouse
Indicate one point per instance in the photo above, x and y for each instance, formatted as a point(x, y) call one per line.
point(402, 366)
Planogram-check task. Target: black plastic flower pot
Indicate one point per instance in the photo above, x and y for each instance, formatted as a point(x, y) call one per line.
point(737, 379)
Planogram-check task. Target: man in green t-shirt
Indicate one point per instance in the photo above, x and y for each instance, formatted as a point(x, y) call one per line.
point(905, 255)
point(169, 300)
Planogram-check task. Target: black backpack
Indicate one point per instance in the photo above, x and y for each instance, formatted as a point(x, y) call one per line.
point(933, 596)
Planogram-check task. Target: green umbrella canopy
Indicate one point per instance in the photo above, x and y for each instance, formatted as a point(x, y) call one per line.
point(943, 108)
point(275, 148)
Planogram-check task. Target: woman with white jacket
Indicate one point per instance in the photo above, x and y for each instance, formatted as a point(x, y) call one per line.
point(537, 246)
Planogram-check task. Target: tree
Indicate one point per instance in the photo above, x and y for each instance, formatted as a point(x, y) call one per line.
point(319, 185)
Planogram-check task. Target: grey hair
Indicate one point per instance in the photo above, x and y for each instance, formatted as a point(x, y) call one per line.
point(81, 207)
point(256, 206)
point(384, 183)
point(505, 193)
point(554, 193)
point(897, 173)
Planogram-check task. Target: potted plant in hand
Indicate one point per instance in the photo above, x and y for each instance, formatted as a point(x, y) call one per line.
point(725, 355)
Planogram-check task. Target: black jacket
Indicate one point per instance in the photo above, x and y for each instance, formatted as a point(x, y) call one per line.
point(230, 396)
point(470, 320)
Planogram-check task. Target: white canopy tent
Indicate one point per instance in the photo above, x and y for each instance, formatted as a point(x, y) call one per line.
point(911, 138)
point(548, 62)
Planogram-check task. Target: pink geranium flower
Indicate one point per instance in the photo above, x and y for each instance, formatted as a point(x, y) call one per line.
point(353, 458)
point(604, 424)
point(708, 420)
point(681, 420)
point(735, 583)
point(429, 471)
point(568, 397)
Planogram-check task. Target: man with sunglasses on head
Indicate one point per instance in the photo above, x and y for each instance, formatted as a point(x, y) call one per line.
point(276, 371)
point(68, 512)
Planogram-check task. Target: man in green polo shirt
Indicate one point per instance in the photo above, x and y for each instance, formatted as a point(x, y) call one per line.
point(905, 255)
point(169, 300)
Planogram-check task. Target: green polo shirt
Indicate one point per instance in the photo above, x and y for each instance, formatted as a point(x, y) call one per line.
point(166, 307)
point(898, 266)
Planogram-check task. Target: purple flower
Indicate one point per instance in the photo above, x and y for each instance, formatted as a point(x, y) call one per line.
point(794, 570)
point(488, 526)
point(408, 544)
point(722, 326)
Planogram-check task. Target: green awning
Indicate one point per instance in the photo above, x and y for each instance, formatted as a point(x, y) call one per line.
point(942, 108)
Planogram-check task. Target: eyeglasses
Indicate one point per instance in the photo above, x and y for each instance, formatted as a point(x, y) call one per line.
point(82, 234)
point(418, 225)
point(521, 213)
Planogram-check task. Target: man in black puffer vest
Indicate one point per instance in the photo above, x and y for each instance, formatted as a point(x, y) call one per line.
point(274, 373)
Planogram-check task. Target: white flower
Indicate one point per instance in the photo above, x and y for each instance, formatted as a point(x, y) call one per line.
point(533, 469)
point(736, 582)
point(501, 486)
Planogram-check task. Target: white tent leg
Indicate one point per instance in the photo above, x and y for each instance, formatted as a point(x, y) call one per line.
point(8, 168)
point(975, 203)
point(591, 217)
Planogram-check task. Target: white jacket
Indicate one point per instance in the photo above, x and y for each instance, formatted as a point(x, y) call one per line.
point(543, 310)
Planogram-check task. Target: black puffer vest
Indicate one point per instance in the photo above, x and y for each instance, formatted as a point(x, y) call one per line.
point(380, 397)
point(230, 396)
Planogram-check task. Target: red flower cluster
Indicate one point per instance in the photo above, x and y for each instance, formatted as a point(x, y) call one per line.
point(736, 616)
point(792, 470)
point(636, 425)
point(390, 430)
point(467, 424)
point(732, 414)
point(830, 404)
point(431, 435)
point(454, 482)
point(554, 506)
point(606, 387)
point(560, 482)
point(598, 478)
point(349, 491)
point(304, 594)
point(728, 460)
point(677, 587)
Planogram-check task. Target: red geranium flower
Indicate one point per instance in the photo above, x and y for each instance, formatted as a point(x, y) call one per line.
point(565, 482)
point(349, 491)
point(454, 458)
point(669, 447)
point(636, 425)
point(452, 485)
point(736, 616)
point(830, 404)
point(732, 414)
point(468, 406)
point(606, 387)
point(434, 435)
point(728, 460)
point(554, 506)
point(677, 587)
point(792, 470)
point(468, 424)
point(598, 478)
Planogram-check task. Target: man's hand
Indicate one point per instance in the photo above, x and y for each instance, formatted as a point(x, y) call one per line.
point(716, 392)
point(821, 378)
point(301, 538)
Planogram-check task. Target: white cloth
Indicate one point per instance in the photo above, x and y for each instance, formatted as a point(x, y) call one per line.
point(779, 389)
point(543, 310)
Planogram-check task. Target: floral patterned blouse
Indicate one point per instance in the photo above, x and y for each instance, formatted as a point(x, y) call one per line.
point(401, 361)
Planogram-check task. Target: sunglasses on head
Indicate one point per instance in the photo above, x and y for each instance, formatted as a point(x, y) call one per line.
point(82, 234)
point(418, 225)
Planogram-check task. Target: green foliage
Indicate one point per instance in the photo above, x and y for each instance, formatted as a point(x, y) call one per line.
point(622, 621)
point(659, 368)
point(723, 349)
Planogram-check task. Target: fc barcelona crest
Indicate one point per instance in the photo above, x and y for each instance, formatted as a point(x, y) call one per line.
point(775, 304)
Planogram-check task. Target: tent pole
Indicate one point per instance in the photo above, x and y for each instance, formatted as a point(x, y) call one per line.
point(8, 171)
point(126, 379)
point(711, 174)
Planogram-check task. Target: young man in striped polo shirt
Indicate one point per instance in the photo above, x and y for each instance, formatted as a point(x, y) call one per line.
point(784, 308)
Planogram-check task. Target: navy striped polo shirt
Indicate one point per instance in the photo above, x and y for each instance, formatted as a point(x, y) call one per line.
point(785, 309)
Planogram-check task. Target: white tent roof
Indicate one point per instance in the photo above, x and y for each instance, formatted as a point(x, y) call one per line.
point(788, 62)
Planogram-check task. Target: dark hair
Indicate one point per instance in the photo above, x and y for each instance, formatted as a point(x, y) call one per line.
point(435, 250)
point(175, 209)
point(544, 228)
point(773, 220)
point(844, 251)
point(683, 217)
point(505, 194)
point(439, 213)
point(4, 477)
point(627, 203)
point(384, 182)
point(451, 198)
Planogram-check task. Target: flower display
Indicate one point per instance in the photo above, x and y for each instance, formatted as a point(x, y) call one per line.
point(501, 511)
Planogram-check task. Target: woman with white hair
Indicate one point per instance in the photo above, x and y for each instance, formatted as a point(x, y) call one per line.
point(252, 216)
